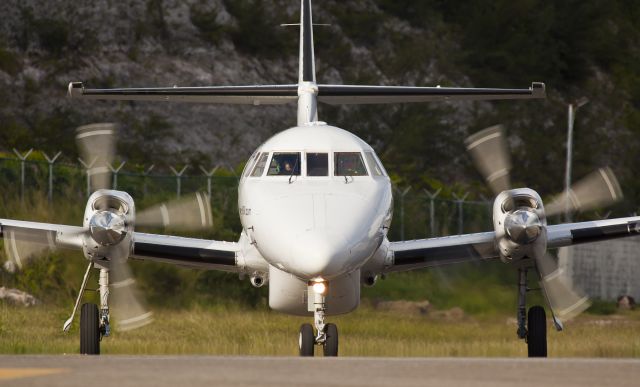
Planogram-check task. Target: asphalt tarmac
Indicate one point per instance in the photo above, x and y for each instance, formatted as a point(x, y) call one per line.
point(183, 371)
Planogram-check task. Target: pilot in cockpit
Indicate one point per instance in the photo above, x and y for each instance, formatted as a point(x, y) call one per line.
point(286, 169)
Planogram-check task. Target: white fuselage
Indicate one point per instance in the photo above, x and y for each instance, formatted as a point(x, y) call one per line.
point(311, 223)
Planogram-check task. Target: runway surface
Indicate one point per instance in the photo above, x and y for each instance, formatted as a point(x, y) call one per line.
point(183, 371)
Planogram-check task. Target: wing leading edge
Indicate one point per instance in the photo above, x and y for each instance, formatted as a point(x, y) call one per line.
point(422, 253)
point(26, 239)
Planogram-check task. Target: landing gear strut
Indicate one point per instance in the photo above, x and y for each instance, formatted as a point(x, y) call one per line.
point(531, 328)
point(94, 323)
point(326, 334)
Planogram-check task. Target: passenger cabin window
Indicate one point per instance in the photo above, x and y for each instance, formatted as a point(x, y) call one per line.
point(284, 164)
point(260, 165)
point(349, 164)
point(374, 167)
point(317, 164)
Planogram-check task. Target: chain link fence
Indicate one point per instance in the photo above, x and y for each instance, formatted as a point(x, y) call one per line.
point(417, 214)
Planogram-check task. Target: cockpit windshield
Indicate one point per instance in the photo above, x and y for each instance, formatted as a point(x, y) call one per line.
point(317, 164)
point(349, 164)
point(284, 164)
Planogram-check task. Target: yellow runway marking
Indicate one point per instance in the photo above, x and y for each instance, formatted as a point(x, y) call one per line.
point(17, 373)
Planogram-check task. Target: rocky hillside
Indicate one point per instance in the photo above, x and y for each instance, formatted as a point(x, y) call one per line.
point(579, 48)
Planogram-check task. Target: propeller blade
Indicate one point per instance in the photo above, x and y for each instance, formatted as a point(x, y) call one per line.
point(129, 307)
point(189, 213)
point(22, 245)
point(97, 147)
point(565, 301)
point(598, 189)
point(488, 148)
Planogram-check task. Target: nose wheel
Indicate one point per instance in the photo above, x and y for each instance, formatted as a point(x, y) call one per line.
point(326, 334)
point(307, 340)
point(330, 345)
point(328, 339)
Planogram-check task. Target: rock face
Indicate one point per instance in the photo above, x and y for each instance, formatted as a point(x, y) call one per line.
point(45, 44)
point(129, 44)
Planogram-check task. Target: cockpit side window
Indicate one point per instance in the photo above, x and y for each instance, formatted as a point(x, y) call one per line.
point(260, 165)
point(317, 164)
point(384, 171)
point(349, 164)
point(249, 166)
point(284, 164)
point(373, 165)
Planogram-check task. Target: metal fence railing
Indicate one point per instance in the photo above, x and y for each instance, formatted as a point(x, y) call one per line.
point(417, 214)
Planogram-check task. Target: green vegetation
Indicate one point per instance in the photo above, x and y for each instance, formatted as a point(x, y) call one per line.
point(258, 30)
point(205, 21)
point(232, 330)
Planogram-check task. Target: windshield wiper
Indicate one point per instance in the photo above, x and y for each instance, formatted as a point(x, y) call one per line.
point(293, 170)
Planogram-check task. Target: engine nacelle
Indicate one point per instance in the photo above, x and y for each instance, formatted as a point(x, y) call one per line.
point(109, 217)
point(519, 223)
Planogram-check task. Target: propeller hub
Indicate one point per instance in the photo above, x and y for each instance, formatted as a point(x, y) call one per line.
point(523, 226)
point(107, 227)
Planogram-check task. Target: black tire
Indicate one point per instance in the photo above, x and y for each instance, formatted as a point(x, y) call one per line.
point(307, 340)
point(537, 332)
point(89, 330)
point(330, 347)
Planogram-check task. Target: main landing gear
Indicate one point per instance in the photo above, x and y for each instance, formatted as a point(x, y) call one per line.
point(327, 334)
point(94, 322)
point(532, 327)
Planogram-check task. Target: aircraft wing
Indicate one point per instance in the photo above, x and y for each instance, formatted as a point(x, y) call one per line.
point(567, 234)
point(421, 253)
point(191, 252)
point(24, 240)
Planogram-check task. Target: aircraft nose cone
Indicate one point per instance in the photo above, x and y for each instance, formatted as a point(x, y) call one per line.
point(319, 254)
point(315, 235)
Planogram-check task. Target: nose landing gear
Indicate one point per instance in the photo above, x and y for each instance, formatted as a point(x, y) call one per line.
point(327, 334)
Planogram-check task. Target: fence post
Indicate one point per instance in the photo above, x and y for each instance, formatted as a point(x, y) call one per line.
point(460, 201)
point(51, 160)
point(179, 178)
point(87, 168)
point(145, 175)
point(22, 158)
point(233, 171)
point(432, 211)
point(402, 195)
point(115, 174)
point(209, 174)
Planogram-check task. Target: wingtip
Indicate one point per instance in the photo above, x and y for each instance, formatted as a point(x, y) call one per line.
point(538, 90)
point(75, 89)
